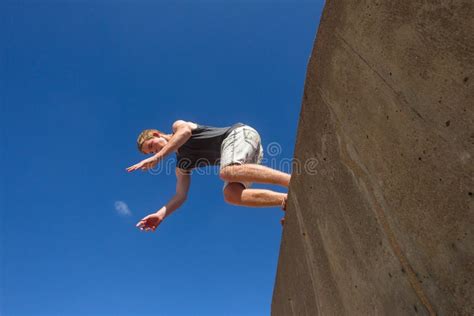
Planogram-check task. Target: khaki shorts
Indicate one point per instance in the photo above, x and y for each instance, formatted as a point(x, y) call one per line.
point(242, 145)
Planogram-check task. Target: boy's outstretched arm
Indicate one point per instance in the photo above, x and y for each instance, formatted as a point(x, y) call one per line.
point(183, 182)
point(181, 133)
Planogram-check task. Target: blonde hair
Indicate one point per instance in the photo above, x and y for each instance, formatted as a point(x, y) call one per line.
point(146, 135)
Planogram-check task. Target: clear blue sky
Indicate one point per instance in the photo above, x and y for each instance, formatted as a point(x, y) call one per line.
point(79, 80)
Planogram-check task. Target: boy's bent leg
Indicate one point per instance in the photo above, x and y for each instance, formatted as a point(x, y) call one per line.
point(236, 194)
point(251, 172)
point(241, 155)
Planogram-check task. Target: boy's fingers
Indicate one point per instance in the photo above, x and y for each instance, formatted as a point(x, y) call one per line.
point(132, 168)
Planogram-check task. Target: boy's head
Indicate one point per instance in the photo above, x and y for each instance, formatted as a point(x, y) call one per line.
point(151, 141)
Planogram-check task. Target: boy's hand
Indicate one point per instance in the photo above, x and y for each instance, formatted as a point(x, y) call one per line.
point(144, 164)
point(151, 221)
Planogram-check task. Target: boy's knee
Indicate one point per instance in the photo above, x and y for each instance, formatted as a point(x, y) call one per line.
point(233, 192)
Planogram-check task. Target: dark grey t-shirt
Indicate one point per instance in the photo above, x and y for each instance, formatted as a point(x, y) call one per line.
point(203, 148)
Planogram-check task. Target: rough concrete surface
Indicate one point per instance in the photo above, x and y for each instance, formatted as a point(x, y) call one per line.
point(380, 219)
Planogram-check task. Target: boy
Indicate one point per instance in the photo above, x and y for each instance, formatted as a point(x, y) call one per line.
point(238, 151)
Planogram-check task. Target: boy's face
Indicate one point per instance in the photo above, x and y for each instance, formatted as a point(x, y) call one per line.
point(153, 145)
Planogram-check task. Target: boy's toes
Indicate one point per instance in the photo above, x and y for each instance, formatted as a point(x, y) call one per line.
point(283, 204)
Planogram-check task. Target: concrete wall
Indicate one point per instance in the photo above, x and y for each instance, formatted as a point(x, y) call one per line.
point(381, 221)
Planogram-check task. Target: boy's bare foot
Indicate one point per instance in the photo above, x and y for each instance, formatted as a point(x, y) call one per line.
point(283, 207)
point(283, 204)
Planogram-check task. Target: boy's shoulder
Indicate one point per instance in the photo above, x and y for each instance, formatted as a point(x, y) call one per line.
point(191, 125)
